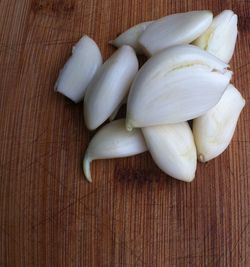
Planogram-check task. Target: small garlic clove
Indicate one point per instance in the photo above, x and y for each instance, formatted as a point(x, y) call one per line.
point(131, 36)
point(109, 86)
point(113, 141)
point(177, 84)
point(180, 28)
point(220, 38)
point(173, 150)
point(214, 130)
point(79, 70)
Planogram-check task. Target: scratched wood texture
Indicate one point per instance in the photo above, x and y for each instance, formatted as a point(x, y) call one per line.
point(132, 214)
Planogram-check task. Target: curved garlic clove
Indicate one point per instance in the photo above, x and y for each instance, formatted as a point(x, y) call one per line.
point(113, 141)
point(79, 70)
point(180, 28)
point(177, 84)
point(214, 130)
point(110, 86)
point(220, 38)
point(131, 36)
point(173, 150)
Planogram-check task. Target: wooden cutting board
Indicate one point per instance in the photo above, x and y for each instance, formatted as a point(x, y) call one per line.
point(132, 214)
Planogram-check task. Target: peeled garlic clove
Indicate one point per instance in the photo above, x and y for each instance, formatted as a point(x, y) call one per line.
point(113, 141)
point(173, 150)
point(131, 36)
point(177, 84)
point(220, 38)
point(79, 69)
point(214, 130)
point(109, 86)
point(180, 28)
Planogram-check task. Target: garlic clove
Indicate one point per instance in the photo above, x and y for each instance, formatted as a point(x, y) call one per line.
point(175, 57)
point(131, 36)
point(113, 141)
point(79, 69)
point(173, 150)
point(180, 28)
point(214, 130)
point(220, 38)
point(109, 86)
point(177, 84)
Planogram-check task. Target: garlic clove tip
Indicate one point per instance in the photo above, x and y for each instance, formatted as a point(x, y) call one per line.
point(129, 125)
point(86, 168)
point(189, 179)
point(201, 158)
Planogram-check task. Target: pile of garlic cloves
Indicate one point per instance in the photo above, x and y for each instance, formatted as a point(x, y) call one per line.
point(186, 77)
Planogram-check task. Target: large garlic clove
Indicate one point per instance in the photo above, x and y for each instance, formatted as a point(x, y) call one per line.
point(109, 86)
point(113, 141)
point(214, 130)
point(173, 150)
point(79, 70)
point(177, 84)
point(220, 38)
point(131, 36)
point(180, 28)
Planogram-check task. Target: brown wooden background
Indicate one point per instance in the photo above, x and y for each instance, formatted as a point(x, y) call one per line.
point(132, 214)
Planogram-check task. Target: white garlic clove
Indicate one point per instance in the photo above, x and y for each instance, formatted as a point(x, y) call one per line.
point(180, 28)
point(214, 130)
point(79, 70)
point(113, 141)
point(131, 36)
point(220, 38)
point(177, 84)
point(173, 150)
point(109, 86)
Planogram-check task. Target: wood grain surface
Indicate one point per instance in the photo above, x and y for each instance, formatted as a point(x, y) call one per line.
point(132, 214)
